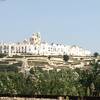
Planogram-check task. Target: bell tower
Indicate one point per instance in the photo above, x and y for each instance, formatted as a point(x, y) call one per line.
point(35, 39)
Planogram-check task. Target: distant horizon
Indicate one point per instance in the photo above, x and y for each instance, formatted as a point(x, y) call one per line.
point(64, 22)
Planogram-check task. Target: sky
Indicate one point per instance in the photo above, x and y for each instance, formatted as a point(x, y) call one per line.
point(70, 22)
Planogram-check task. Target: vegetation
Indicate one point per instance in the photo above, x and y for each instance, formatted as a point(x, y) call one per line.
point(2, 55)
point(17, 56)
point(65, 81)
point(65, 58)
point(10, 67)
point(96, 54)
point(49, 57)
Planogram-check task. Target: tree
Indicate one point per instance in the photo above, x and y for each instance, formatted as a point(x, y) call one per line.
point(89, 79)
point(54, 82)
point(96, 54)
point(2, 55)
point(49, 57)
point(65, 58)
point(97, 86)
point(15, 83)
point(66, 81)
point(86, 80)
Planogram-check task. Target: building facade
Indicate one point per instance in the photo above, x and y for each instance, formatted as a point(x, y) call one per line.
point(34, 46)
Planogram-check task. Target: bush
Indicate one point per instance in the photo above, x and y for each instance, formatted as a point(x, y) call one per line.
point(2, 55)
point(65, 58)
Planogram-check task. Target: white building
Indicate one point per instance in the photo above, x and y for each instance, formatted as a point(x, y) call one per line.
point(36, 47)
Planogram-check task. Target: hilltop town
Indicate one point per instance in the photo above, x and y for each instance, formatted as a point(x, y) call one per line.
point(32, 52)
point(34, 67)
point(35, 46)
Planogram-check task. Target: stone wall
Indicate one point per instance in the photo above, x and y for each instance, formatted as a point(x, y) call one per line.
point(19, 98)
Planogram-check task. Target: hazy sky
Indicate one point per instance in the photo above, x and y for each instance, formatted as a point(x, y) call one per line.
point(72, 22)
